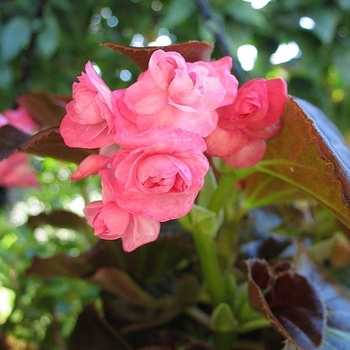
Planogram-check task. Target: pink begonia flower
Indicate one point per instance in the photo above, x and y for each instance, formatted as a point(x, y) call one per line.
point(110, 221)
point(159, 173)
point(19, 118)
point(175, 93)
point(89, 122)
point(243, 126)
point(15, 171)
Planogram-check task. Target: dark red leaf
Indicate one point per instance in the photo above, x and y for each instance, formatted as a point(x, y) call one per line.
point(45, 109)
point(10, 140)
point(268, 248)
point(122, 285)
point(49, 143)
point(192, 51)
point(91, 331)
point(58, 218)
point(148, 262)
point(335, 298)
point(289, 301)
point(102, 255)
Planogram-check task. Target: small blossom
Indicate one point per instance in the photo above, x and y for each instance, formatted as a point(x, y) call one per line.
point(16, 171)
point(19, 118)
point(110, 221)
point(89, 122)
point(243, 126)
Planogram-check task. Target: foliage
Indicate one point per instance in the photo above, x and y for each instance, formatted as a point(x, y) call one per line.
point(281, 215)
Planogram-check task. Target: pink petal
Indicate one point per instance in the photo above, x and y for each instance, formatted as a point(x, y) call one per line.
point(90, 166)
point(247, 156)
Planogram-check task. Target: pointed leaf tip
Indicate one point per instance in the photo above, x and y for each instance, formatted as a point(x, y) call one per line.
point(192, 51)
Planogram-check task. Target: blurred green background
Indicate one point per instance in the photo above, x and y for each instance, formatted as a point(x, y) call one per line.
point(44, 45)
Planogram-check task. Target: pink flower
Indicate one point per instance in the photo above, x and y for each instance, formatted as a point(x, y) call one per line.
point(89, 122)
point(177, 94)
point(110, 221)
point(159, 173)
point(19, 118)
point(243, 126)
point(15, 171)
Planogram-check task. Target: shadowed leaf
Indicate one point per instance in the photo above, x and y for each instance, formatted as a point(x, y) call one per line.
point(58, 218)
point(46, 143)
point(45, 109)
point(309, 154)
point(268, 248)
point(91, 331)
point(49, 143)
point(80, 266)
point(122, 285)
point(148, 262)
point(10, 140)
point(289, 301)
point(335, 298)
point(192, 51)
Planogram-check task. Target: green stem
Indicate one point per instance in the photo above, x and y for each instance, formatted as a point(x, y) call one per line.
point(210, 266)
point(223, 191)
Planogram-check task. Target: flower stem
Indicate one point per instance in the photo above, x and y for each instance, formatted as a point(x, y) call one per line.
point(208, 258)
point(224, 190)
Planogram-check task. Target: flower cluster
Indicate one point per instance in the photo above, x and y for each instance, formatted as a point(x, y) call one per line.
point(153, 137)
point(16, 171)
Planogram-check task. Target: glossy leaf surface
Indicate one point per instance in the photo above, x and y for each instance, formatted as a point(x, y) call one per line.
point(311, 155)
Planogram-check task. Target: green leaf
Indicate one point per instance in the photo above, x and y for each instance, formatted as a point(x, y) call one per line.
point(15, 35)
point(241, 11)
point(311, 155)
point(222, 319)
point(177, 13)
point(289, 301)
point(6, 74)
point(201, 220)
point(326, 23)
point(49, 38)
point(192, 51)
